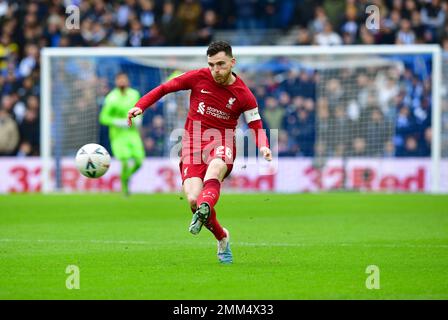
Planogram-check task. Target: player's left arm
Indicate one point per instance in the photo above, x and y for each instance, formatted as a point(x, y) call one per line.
point(181, 82)
point(253, 120)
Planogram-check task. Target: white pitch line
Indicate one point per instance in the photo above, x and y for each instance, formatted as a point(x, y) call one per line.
point(241, 244)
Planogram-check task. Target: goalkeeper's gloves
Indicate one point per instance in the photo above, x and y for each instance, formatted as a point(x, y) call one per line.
point(120, 123)
point(123, 123)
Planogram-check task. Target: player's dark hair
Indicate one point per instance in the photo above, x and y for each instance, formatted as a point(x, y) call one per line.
point(218, 46)
point(121, 73)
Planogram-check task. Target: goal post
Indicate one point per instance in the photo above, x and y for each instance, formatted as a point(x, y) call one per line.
point(335, 66)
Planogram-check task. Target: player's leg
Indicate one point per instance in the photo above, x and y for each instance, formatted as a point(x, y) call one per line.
point(216, 173)
point(192, 188)
point(192, 175)
point(219, 168)
point(138, 154)
point(209, 196)
point(204, 211)
point(121, 151)
point(125, 175)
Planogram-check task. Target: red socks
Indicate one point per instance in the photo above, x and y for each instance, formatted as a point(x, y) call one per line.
point(210, 194)
point(214, 226)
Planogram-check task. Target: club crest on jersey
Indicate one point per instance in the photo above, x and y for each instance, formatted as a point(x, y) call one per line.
point(230, 103)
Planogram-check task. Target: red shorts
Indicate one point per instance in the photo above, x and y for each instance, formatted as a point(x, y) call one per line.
point(195, 164)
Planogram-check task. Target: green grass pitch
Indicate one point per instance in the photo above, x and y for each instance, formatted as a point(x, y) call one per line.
point(307, 246)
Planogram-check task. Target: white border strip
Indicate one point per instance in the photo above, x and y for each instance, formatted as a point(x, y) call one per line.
point(242, 51)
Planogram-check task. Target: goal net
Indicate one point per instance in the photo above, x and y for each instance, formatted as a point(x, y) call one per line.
point(349, 111)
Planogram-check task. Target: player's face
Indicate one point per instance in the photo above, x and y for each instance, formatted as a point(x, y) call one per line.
point(221, 66)
point(122, 81)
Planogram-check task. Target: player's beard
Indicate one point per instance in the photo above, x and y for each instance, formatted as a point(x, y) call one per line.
point(223, 79)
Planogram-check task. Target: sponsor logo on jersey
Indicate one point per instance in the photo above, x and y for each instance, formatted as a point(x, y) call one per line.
point(217, 113)
point(203, 109)
point(205, 91)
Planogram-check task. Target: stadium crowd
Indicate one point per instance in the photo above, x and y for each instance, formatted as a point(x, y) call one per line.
point(400, 126)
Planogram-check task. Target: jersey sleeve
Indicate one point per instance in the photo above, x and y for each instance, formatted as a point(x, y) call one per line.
point(253, 120)
point(250, 108)
point(183, 82)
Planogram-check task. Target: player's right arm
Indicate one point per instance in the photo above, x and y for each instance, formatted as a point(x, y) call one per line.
point(182, 82)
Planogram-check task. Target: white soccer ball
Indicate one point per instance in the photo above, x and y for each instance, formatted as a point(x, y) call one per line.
point(92, 160)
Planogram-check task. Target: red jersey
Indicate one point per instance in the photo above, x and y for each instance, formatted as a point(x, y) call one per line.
point(212, 106)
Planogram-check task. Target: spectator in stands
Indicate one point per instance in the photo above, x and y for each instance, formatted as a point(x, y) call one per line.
point(328, 37)
point(366, 37)
point(273, 113)
point(350, 26)
point(433, 15)
point(307, 84)
point(291, 83)
point(404, 125)
point(425, 145)
point(411, 148)
point(285, 147)
point(146, 13)
point(118, 37)
point(189, 13)
point(405, 35)
point(358, 147)
point(246, 17)
point(29, 62)
point(306, 132)
point(377, 131)
point(25, 150)
point(155, 37)
point(284, 100)
point(170, 26)
point(339, 130)
point(9, 134)
point(206, 29)
point(18, 107)
point(334, 92)
point(389, 149)
point(417, 26)
point(29, 128)
point(323, 122)
point(8, 51)
point(154, 140)
point(303, 37)
point(317, 25)
point(137, 35)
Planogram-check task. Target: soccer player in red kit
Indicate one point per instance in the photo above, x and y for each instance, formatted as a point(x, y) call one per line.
point(218, 98)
